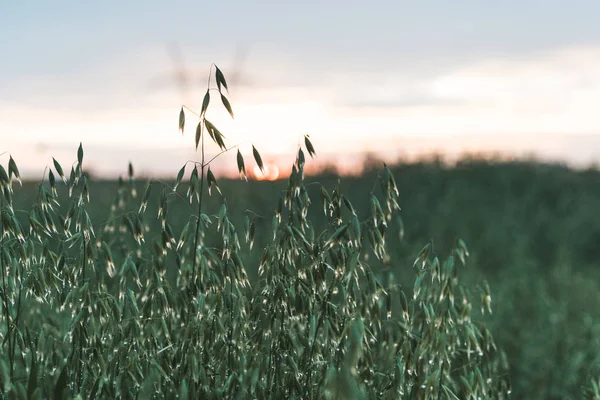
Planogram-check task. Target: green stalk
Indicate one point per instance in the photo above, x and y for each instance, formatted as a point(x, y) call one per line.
point(278, 353)
point(79, 364)
point(83, 262)
point(198, 219)
point(270, 366)
point(440, 382)
point(230, 338)
point(308, 366)
point(16, 319)
point(4, 295)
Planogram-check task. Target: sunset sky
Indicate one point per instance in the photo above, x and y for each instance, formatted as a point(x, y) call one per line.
point(391, 78)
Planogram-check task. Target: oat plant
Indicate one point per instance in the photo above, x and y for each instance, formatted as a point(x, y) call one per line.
point(126, 308)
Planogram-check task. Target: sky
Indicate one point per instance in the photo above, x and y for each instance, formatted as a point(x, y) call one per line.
point(390, 79)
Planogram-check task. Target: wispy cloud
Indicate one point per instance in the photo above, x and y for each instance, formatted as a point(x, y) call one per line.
point(500, 100)
point(547, 92)
point(356, 77)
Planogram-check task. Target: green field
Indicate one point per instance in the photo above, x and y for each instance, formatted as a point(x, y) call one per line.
point(533, 233)
point(415, 281)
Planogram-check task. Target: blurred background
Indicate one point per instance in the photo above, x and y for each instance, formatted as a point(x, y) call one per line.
point(487, 112)
point(396, 79)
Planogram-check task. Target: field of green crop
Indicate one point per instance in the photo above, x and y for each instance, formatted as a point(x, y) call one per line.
point(415, 281)
point(532, 231)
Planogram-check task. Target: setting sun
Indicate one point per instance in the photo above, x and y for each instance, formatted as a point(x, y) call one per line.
point(274, 128)
point(271, 173)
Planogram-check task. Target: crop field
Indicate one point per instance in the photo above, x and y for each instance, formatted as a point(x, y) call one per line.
point(412, 281)
point(532, 232)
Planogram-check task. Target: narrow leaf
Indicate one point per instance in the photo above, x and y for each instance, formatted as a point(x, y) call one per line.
point(61, 384)
point(198, 134)
point(337, 234)
point(13, 170)
point(59, 169)
point(193, 184)
point(80, 154)
point(309, 146)
point(247, 228)
point(72, 179)
point(227, 105)
point(258, 159)
point(240, 164)
point(301, 159)
point(222, 215)
point(206, 219)
point(181, 120)
point(220, 79)
point(3, 175)
point(179, 177)
point(32, 385)
point(52, 181)
point(252, 233)
point(183, 236)
point(210, 177)
point(144, 203)
point(205, 103)
point(215, 134)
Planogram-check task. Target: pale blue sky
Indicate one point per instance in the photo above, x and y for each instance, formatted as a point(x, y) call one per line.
point(355, 75)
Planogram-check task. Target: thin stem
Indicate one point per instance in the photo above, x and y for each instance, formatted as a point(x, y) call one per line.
point(414, 391)
point(16, 319)
point(224, 151)
point(198, 219)
point(80, 361)
point(279, 344)
point(209, 74)
point(4, 294)
point(190, 110)
point(270, 366)
point(230, 338)
point(440, 382)
point(308, 366)
point(83, 261)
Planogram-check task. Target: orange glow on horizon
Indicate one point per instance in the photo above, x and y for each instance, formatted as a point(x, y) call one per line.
point(271, 173)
